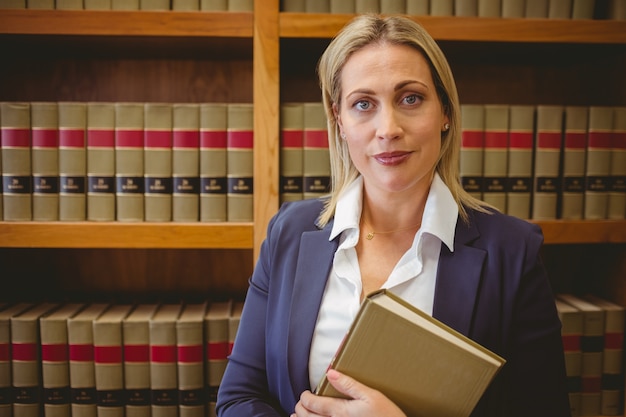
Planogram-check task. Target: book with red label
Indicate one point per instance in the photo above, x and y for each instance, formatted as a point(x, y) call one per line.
point(617, 182)
point(158, 162)
point(520, 164)
point(45, 160)
point(216, 327)
point(598, 168)
point(472, 148)
point(72, 161)
point(547, 170)
point(291, 148)
point(316, 162)
point(129, 165)
point(571, 333)
point(190, 356)
point(239, 163)
point(233, 323)
point(574, 155)
point(495, 155)
point(101, 162)
point(186, 162)
point(213, 138)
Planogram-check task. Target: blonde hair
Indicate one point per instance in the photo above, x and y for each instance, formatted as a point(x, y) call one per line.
point(364, 30)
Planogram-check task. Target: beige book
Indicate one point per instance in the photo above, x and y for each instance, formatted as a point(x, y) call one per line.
point(213, 140)
point(560, 9)
point(520, 164)
point(513, 8)
point(417, 7)
point(136, 336)
point(233, 323)
point(598, 168)
point(403, 342)
point(55, 369)
point(291, 149)
point(239, 162)
point(154, 4)
point(81, 360)
point(125, 4)
point(101, 161)
point(489, 8)
point(216, 331)
point(536, 9)
point(367, 6)
point(186, 162)
point(158, 162)
point(292, 6)
point(495, 155)
point(69, 4)
point(442, 7)
point(393, 6)
point(240, 5)
point(45, 160)
point(466, 8)
point(214, 5)
point(12, 4)
point(617, 9)
point(129, 163)
point(108, 365)
point(185, 5)
point(317, 6)
point(316, 162)
point(15, 142)
point(342, 6)
point(40, 4)
point(571, 333)
point(72, 161)
point(163, 361)
point(98, 5)
point(547, 181)
point(617, 187)
point(26, 361)
point(574, 155)
point(472, 148)
point(583, 9)
point(190, 349)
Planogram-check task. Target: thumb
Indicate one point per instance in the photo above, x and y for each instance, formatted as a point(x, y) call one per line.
point(346, 385)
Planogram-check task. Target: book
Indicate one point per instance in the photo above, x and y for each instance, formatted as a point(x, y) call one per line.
point(495, 155)
point(239, 163)
point(366, 6)
point(186, 5)
point(45, 160)
point(520, 163)
point(55, 369)
point(98, 4)
point(129, 164)
point(317, 6)
point(291, 149)
point(213, 139)
point(472, 146)
point(393, 6)
point(417, 7)
point(316, 156)
point(40, 4)
point(185, 162)
point(15, 143)
point(125, 4)
point(442, 8)
point(233, 323)
point(158, 162)
point(547, 170)
point(583, 9)
point(214, 5)
point(559, 9)
point(391, 341)
point(466, 8)
point(72, 161)
point(154, 4)
point(342, 6)
point(489, 8)
point(598, 168)
point(108, 364)
point(574, 155)
point(617, 10)
point(536, 9)
point(240, 5)
point(101, 161)
point(190, 356)
point(81, 360)
point(136, 339)
point(617, 184)
point(571, 334)
point(163, 361)
point(513, 8)
point(216, 333)
point(69, 4)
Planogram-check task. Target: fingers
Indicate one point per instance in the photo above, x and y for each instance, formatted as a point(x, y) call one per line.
point(346, 385)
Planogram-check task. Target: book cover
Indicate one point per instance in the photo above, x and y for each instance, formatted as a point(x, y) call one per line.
point(81, 360)
point(55, 370)
point(190, 355)
point(417, 7)
point(239, 162)
point(216, 328)
point(45, 160)
point(291, 149)
point(186, 162)
point(472, 148)
point(520, 163)
point(158, 162)
point(129, 164)
point(72, 161)
point(547, 171)
point(136, 339)
point(101, 161)
point(495, 155)
point(109, 368)
point(163, 361)
point(15, 142)
point(598, 168)
point(213, 139)
point(391, 341)
point(617, 183)
point(489, 8)
point(98, 4)
point(26, 361)
point(574, 155)
point(316, 157)
point(571, 333)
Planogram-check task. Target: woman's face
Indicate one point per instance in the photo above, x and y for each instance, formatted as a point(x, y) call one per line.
point(391, 117)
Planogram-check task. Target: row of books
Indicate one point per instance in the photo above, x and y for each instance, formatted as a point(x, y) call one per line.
point(546, 162)
point(593, 341)
point(533, 9)
point(179, 5)
point(114, 360)
point(75, 161)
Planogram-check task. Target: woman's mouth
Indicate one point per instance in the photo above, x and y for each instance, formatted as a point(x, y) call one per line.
point(391, 158)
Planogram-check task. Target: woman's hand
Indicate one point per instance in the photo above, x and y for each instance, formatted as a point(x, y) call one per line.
point(364, 401)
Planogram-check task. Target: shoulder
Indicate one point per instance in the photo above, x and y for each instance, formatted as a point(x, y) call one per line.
point(297, 216)
point(498, 229)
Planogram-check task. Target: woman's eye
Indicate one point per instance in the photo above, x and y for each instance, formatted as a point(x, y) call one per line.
point(412, 99)
point(362, 105)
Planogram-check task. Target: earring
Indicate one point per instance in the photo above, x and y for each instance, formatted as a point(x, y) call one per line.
point(446, 126)
point(343, 135)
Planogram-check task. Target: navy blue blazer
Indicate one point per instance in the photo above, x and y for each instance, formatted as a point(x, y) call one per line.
point(492, 288)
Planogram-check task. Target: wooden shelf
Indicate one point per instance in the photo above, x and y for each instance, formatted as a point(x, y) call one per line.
point(308, 25)
point(583, 231)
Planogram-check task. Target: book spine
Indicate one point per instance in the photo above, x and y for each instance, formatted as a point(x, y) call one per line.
point(72, 161)
point(6, 397)
point(98, 4)
point(108, 365)
point(190, 355)
point(13, 4)
point(617, 184)
point(154, 4)
point(393, 6)
point(536, 9)
point(81, 366)
point(560, 9)
point(583, 9)
point(186, 5)
point(598, 162)
point(69, 4)
point(137, 368)
point(520, 164)
point(617, 9)
point(16, 161)
point(342, 6)
point(158, 162)
point(513, 8)
point(40, 4)
point(466, 8)
point(217, 350)
point(489, 8)
point(367, 6)
point(571, 333)
point(546, 181)
point(125, 4)
point(45, 161)
point(317, 6)
point(495, 156)
point(129, 165)
point(472, 146)
point(213, 141)
point(316, 159)
point(101, 162)
point(442, 8)
point(574, 155)
point(214, 5)
point(186, 162)
point(291, 148)
point(417, 7)
point(163, 368)
point(240, 5)
point(239, 165)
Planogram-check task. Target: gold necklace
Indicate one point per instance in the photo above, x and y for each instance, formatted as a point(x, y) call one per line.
point(371, 233)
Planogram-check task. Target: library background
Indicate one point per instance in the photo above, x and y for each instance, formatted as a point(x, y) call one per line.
point(147, 143)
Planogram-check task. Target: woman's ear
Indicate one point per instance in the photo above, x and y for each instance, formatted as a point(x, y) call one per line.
point(338, 119)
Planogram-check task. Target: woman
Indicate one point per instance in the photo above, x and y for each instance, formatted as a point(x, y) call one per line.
point(396, 218)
